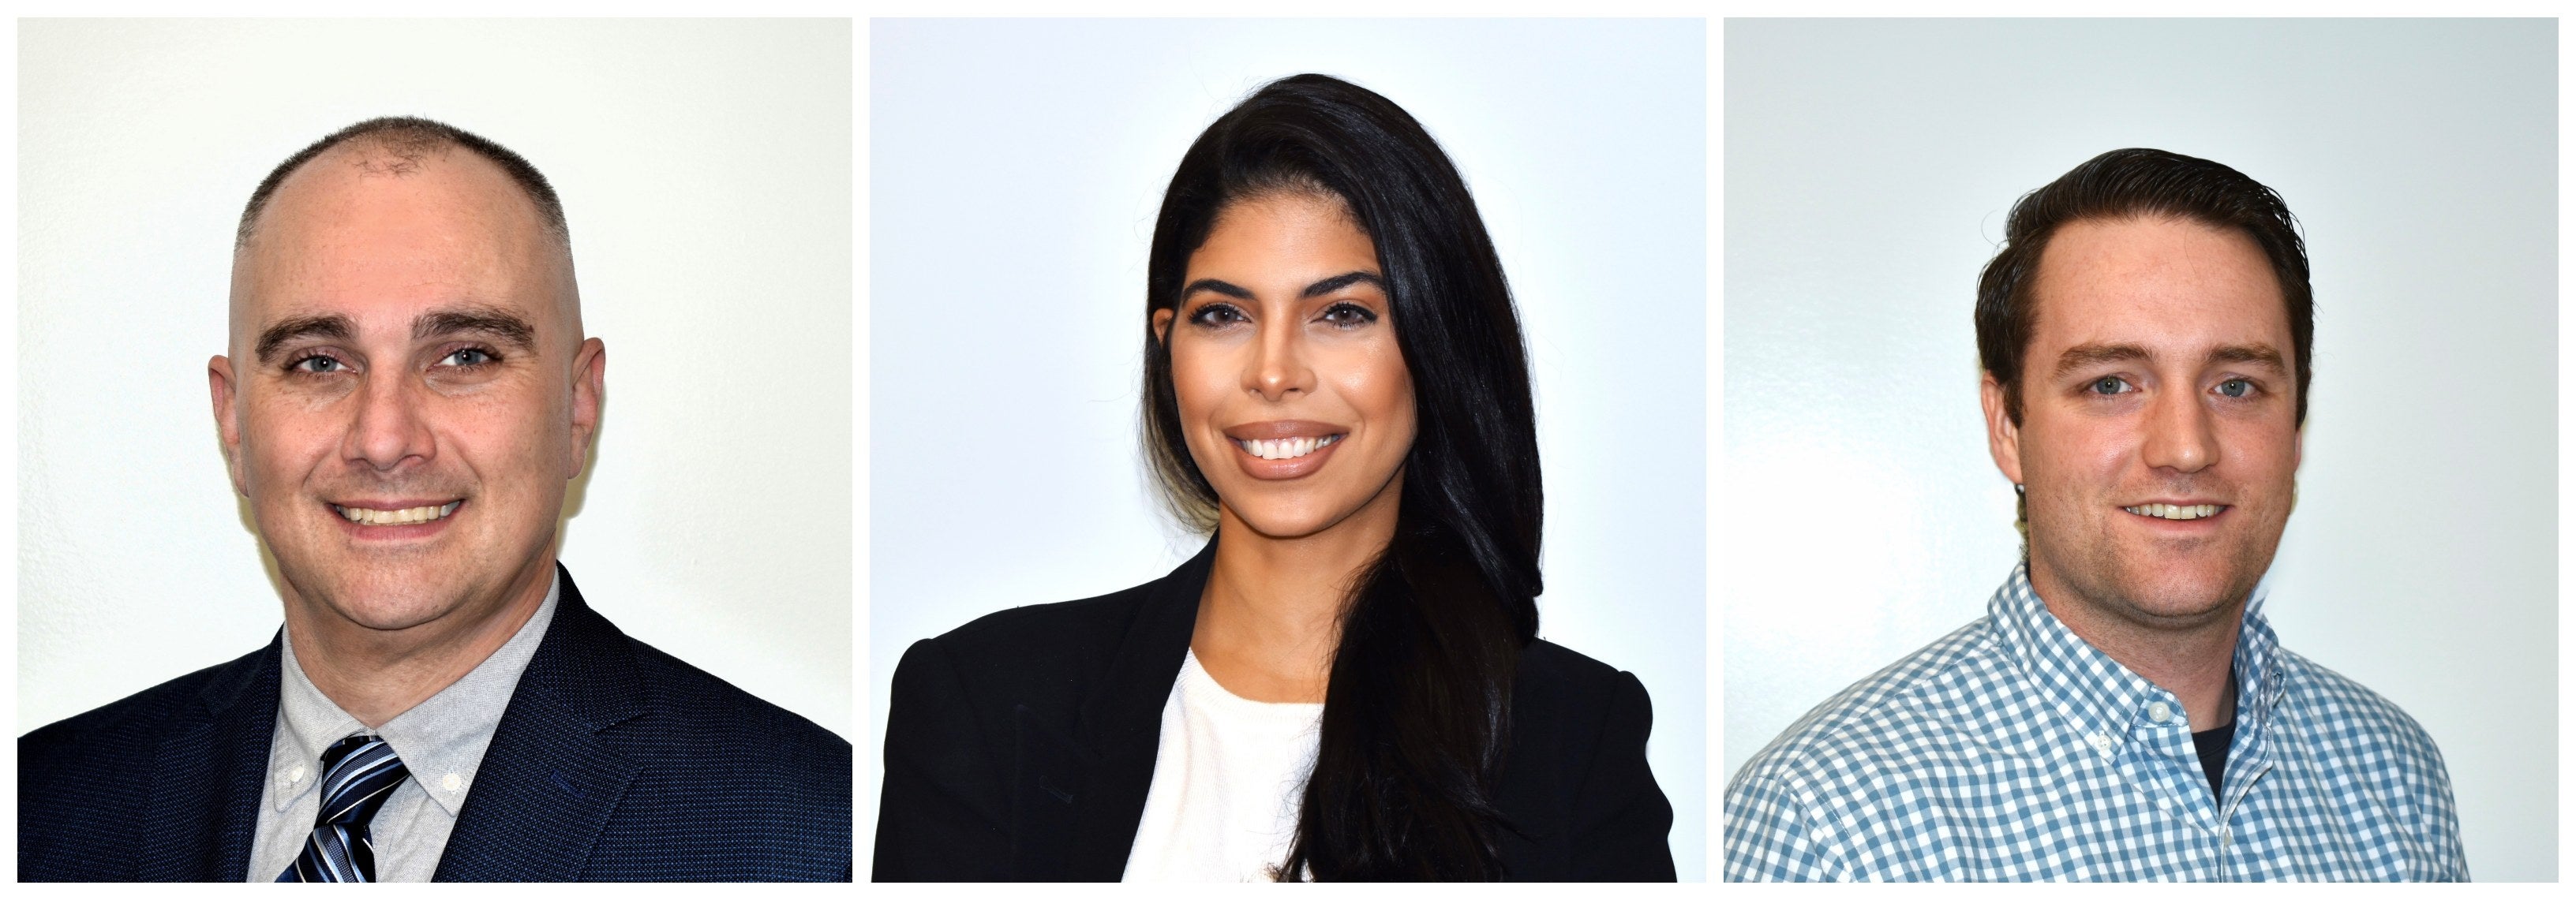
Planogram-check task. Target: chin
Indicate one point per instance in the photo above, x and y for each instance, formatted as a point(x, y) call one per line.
point(1284, 524)
point(2177, 596)
point(393, 613)
point(376, 595)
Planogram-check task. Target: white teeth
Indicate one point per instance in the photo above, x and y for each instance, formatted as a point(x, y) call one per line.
point(2175, 512)
point(412, 516)
point(1286, 448)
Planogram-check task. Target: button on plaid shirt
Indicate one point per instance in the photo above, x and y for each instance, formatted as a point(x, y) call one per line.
point(2013, 750)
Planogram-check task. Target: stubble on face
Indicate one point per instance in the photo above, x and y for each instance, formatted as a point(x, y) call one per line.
point(2146, 328)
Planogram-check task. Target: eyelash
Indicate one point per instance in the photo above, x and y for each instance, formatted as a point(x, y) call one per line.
point(296, 366)
point(1359, 315)
point(2251, 388)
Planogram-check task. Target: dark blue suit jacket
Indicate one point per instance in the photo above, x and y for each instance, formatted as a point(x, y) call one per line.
point(613, 761)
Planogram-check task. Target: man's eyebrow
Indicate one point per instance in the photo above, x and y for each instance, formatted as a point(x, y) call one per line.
point(1341, 281)
point(508, 326)
point(1222, 287)
point(2087, 355)
point(2256, 354)
point(333, 326)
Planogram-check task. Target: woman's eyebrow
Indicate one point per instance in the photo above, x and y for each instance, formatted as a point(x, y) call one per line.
point(1341, 281)
point(1222, 287)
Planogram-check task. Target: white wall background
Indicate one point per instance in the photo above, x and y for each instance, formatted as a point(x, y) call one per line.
point(1869, 166)
point(705, 166)
point(1015, 169)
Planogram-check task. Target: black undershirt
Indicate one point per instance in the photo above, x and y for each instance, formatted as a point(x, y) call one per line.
point(2212, 744)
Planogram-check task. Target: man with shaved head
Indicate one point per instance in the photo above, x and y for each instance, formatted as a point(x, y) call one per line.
point(404, 397)
point(2122, 712)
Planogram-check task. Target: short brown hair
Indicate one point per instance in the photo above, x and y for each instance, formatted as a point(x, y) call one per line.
point(2125, 184)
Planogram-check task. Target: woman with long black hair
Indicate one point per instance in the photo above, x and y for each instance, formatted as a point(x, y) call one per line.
point(1346, 683)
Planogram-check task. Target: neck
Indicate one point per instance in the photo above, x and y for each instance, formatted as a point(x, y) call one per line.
point(378, 674)
point(1271, 615)
point(2193, 659)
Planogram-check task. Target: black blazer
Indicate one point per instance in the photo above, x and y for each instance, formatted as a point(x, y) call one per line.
point(1020, 748)
point(613, 762)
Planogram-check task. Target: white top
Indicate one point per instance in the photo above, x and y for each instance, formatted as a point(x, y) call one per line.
point(1228, 776)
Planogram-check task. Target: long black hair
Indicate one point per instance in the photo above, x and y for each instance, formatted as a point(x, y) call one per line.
point(1418, 712)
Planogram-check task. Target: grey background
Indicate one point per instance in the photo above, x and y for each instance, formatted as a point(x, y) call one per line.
point(1015, 168)
point(1869, 165)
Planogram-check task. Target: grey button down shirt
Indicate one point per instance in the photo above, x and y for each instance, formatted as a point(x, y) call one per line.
point(441, 741)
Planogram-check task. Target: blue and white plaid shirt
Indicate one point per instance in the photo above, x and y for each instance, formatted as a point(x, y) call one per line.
point(2012, 750)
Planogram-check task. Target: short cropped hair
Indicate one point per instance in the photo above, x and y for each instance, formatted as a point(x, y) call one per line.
point(2125, 184)
point(409, 140)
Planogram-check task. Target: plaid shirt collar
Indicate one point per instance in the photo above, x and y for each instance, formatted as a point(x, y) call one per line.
point(2096, 695)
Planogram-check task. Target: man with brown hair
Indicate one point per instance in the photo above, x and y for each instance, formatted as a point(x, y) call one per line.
point(2122, 712)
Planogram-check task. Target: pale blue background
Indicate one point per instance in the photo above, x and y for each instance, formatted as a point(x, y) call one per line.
point(1869, 165)
point(1014, 172)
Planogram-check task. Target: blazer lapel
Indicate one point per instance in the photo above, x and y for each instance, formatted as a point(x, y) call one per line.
point(1089, 788)
point(208, 774)
point(549, 783)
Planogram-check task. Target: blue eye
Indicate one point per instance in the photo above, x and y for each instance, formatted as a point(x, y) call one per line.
point(316, 364)
point(2107, 385)
point(2235, 388)
point(470, 356)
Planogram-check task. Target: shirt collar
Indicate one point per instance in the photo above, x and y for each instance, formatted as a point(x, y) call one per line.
point(440, 740)
point(2099, 696)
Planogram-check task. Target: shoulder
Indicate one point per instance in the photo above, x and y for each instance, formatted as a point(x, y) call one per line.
point(716, 710)
point(1048, 629)
point(2348, 722)
point(1880, 723)
point(1557, 689)
point(131, 725)
point(1550, 665)
point(1046, 652)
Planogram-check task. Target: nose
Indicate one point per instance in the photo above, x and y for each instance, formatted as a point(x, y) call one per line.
point(1278, 367)
point(2179, 436)
point(389, 427)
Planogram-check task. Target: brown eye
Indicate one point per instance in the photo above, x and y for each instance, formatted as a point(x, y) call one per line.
point(1217, 314)
point(1347, 315)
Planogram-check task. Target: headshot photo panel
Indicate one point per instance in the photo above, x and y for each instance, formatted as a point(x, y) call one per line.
point(448, 509)
point(1354, 371)
point(2155, 431)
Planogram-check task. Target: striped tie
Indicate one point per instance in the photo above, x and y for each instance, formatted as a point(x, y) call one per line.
point(358, 773)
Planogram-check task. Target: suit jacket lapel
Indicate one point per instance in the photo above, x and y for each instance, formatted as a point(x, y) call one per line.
point(208, 775)
point(549, 782)
point(1084, 833)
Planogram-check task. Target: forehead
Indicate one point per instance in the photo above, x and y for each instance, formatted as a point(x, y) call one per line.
point(350, 234)
point(1289, 234)
point(2156, 282)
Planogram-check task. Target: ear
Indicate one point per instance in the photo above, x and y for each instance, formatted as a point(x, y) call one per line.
point(221, 390)
point(2003, 438)
point(589, 382)
point(1162, 326)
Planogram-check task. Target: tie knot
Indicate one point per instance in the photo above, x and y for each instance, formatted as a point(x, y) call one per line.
point(358, 773)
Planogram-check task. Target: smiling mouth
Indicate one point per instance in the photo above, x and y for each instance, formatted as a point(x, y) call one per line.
point(412, 516)
point(2175, 512)
point(1288, 447)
